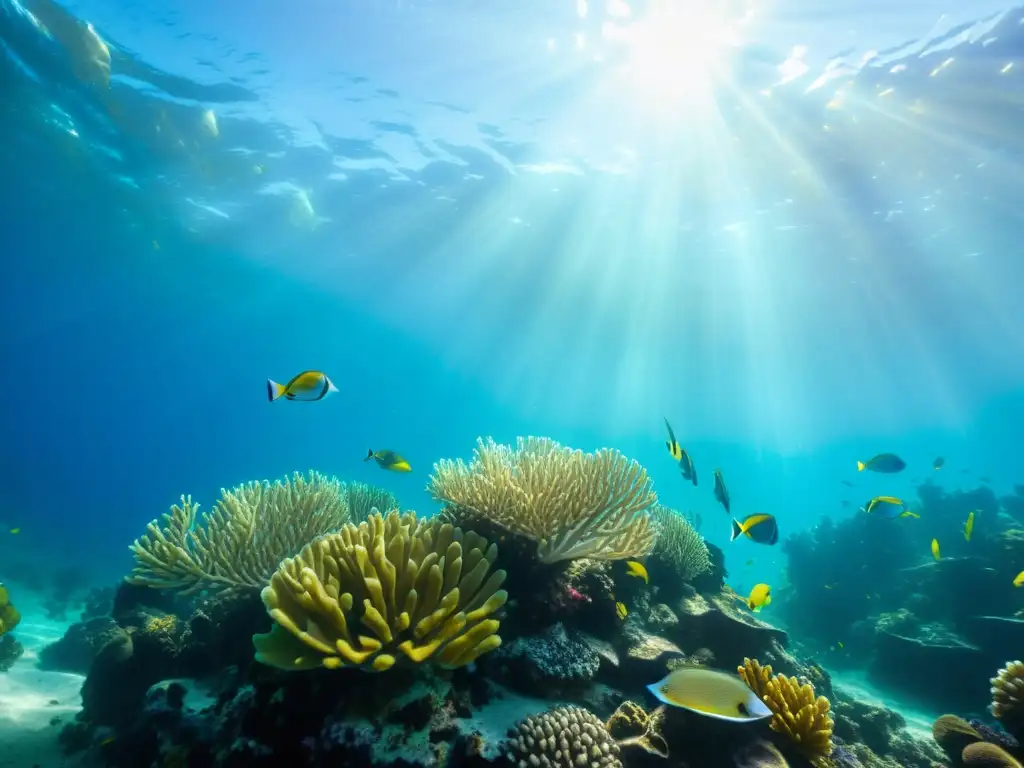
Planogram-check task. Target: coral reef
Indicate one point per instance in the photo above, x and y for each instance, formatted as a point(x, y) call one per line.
point(422, 589)
point(240, 543)
point(572, 504)
point(798, 715)
point(567, 736)
point(10, 651)
point(679, 549)
point(1008, 696)
point(9, 616)
point(363, 499)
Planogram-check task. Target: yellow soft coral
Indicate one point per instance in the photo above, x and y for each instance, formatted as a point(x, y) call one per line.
point(9, 616)
point(240, 543)
point(1008, 696)
point(573, 504)
point(799, 716)
point(390, 588)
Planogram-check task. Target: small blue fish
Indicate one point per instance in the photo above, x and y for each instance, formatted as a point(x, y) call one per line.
point(761, 528)
point(886, 463)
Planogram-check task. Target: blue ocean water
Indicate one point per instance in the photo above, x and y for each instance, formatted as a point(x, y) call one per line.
point(792, 232)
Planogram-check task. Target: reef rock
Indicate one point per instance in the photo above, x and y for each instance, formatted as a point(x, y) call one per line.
point(718, 622)
point(82, 641)
point(547, 664)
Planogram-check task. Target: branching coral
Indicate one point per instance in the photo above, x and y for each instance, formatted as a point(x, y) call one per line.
point(240, 543)
point(390, 588)
point(798, 715)
point(573, 504)
point(678, 545)
point(566, 736)
point(9, 616)
point(363, 499)
point(1008, 696)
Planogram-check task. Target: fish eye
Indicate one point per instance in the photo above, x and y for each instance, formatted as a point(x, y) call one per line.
point(743, 709)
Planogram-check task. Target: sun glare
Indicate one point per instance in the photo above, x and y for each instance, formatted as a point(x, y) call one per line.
point(679, 50)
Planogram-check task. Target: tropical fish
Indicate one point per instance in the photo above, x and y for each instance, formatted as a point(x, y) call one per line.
point(679, 453)
point(388, 460)
point(761, 528)
point(633, 568)
point(760, 596)
point(939, 463)
point(721, 492)
point(840, 644)
point(308, 386)
point(888, 507)
point(15, 531)
point(1018, 580)
point(969, 526)
point(259, 168)
point(886, 463)
point(847, 483)
point(620, 610)
point(710, 692)
point(935, 549)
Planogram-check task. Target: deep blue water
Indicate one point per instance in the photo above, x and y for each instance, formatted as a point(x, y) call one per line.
point(470, 218)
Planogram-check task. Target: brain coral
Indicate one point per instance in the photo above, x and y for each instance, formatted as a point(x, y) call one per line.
point(390, 588)
point(566, 736)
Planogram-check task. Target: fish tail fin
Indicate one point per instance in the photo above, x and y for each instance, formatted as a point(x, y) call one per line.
point(860, 466)
point(737, 530)
point(275, 390)
point(369, 455)
point(913, 514)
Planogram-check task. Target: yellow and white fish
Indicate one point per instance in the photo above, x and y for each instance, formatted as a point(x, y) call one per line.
point(760, 596)
point(935, 549)
point(1019, 580)
point(308, 387)
point(621, 611)
point(969, 526)
point(710, 692)
point(633, 568)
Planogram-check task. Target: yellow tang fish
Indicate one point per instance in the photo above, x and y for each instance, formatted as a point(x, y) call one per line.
point(935, 549)
point(633, 568)
point(1019, 580)
point(620, 610)
point(388, 460)
point(308, 387)
point(760, 596)
point(969, 526)
point(710, 692)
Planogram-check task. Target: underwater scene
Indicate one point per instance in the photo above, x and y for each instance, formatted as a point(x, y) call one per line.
point(549, 383)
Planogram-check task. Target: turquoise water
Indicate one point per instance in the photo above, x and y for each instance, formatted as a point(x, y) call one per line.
point(792, 233)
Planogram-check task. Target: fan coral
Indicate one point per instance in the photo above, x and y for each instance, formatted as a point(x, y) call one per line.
point(802, 718)
point(953, 733)
point(422, 587)
point(562, 737)
point(364, 498)
point(984, 755)
point(678, 545)
point(9, 616)
point(238, 545)
point(1008, 696)
point(573, 504)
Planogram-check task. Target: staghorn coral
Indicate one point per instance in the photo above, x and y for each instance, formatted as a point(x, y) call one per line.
point(240, 543)
point(364, 498)
point(985, 755)
point(679, 546)
point(9, 616)
point(566, 736)
point(799, 716)
point(1008, 696)
point(573, 504)
point(391, 584)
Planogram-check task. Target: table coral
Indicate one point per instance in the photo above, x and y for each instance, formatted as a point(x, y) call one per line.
point(798, 715)
point(390, 588)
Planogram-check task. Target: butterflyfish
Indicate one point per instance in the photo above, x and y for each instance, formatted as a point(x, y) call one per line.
point(939, 463)
point(886, 463)
point(1018, 581)
point(935, 549)
point(888, 507)
point(679, 453)
point(633, 568)
point(711, 693)
point(760, 528)
point(308, 387)
point(721, 492)
point(760, 596)
point(620, 610)
point(969, 526)
point(388, 460)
